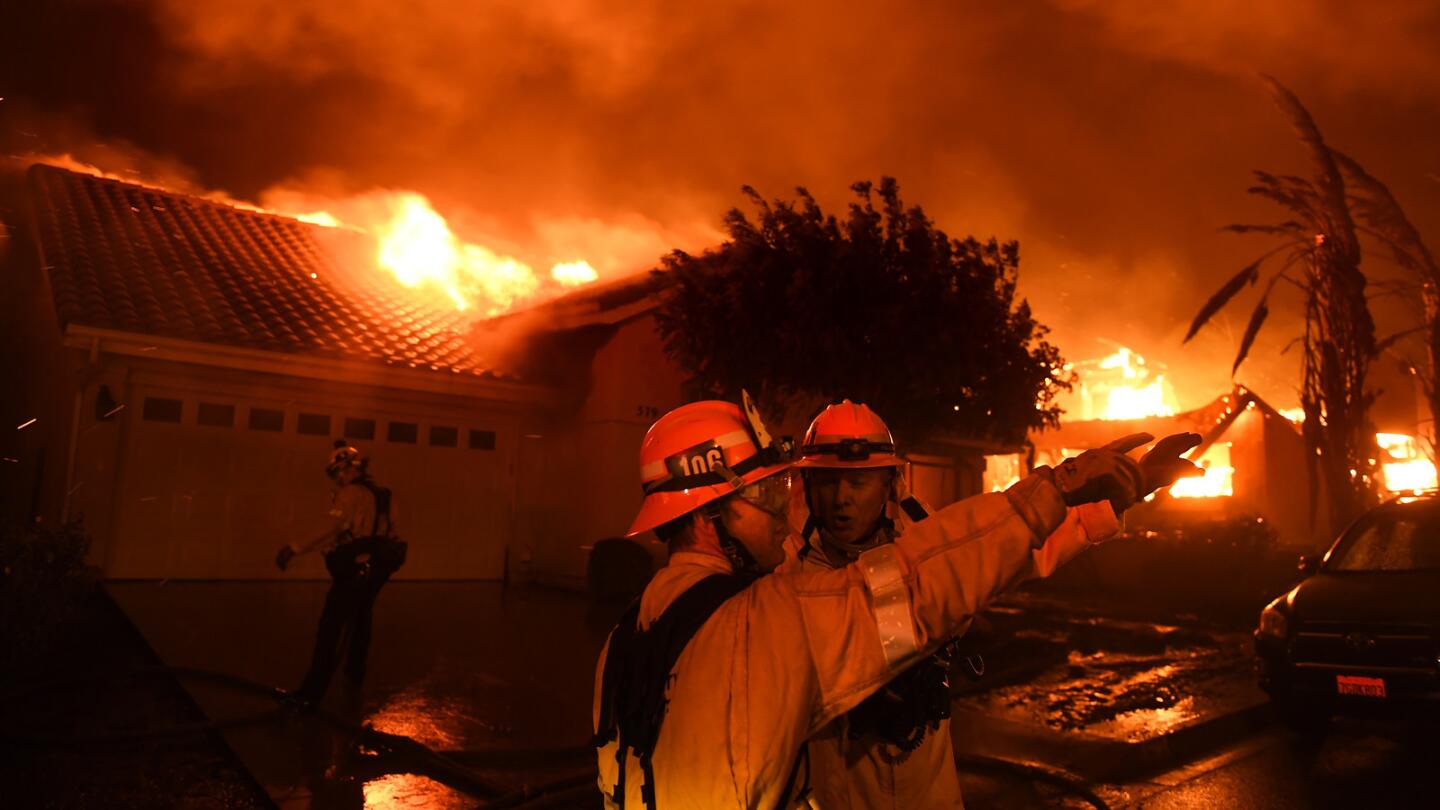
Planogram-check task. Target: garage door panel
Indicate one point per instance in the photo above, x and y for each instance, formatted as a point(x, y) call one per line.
point(215, 501)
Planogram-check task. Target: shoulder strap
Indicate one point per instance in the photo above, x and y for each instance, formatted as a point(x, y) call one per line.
point(637, 671)
point(913, 509)
point(621, 640)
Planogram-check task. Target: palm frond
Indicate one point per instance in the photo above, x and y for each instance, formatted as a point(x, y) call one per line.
point(1289, 226)
point(1247, 275)
point(1251, 330)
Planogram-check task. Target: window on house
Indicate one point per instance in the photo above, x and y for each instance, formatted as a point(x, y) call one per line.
point(406, 432)
point(359, 428)
point(160, 409)
point(482, 440)
point(313, 424)
point(266, 419)
point(214, 414)
point(444, 436)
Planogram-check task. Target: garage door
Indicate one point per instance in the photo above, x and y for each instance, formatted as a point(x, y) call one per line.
point(211, 486)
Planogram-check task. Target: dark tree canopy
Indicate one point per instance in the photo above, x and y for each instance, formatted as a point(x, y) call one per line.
point(881, 307)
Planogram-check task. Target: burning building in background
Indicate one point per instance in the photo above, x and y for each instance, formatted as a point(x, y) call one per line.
point(190, 361)
point(202, 355)
point(1253, 457)
point(1253, 454)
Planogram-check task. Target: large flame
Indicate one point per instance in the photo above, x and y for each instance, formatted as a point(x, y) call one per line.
point(1118, 386)
point(1403, 465)
point(1137, 393)
point(416, 245)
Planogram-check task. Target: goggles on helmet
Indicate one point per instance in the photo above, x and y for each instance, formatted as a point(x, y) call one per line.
point(770, 495)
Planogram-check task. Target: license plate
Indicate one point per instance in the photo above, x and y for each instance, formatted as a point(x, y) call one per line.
point(1360, 685)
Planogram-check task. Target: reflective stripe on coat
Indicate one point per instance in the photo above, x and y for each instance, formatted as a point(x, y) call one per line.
point(791, 653)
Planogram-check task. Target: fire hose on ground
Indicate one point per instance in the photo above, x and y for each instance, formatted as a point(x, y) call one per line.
point(450, 768)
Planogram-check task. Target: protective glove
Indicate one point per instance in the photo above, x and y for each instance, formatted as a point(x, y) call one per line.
point(283, 556)
point(1108, 474)
point(1103, 474)
point(1163, 466)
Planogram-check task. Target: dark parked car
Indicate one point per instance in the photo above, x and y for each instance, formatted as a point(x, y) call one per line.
point(1362, 633)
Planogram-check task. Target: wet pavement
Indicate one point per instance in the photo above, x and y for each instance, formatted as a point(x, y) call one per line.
point(1121, 680)
point(457, 666)
point(500, 679)
point(1356, 765)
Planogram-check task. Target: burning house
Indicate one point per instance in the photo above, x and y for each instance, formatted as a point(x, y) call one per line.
point(202, 357)
point(1254, 456)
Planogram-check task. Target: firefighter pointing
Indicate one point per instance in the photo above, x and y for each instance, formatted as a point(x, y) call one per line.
point(894, 749)
point(710, 686)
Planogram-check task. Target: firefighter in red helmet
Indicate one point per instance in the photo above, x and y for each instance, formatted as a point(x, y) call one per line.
point(894, 748)
point(711, 684)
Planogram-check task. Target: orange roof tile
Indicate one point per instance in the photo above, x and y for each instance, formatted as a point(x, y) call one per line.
point(142, 260)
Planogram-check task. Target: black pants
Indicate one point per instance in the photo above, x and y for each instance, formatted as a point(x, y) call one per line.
point(344, 623)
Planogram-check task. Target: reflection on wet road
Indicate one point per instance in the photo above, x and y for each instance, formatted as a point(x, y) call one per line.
point(434, 676)
point(1125, 681)
point(1356, 766)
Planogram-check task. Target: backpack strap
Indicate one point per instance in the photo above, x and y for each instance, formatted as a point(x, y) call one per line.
point(638, 668)
point(913, 509)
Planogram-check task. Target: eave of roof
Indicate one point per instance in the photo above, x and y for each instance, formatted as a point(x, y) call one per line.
point(109, 341)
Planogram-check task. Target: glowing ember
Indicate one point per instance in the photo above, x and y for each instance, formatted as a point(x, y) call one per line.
point(324, 218)
point(1219, 478)
point(1404, 467)
point(572, 274)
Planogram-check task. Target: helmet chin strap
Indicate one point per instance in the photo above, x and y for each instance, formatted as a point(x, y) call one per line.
point(853, 550)
point(740, 557)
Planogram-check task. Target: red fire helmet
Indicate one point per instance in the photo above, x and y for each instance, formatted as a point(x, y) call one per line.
point(848, 435)
point(700, 453)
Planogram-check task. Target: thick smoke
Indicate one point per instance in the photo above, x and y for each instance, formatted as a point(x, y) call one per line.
point(1111, 139)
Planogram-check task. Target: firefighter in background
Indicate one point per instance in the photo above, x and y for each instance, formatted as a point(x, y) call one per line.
point(894, 749)
point(361, 550)
point(709, 687)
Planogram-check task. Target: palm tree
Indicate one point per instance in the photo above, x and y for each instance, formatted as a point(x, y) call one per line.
point(1322, 262)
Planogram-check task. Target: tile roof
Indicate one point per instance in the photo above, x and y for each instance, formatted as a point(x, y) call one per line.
point(142, 260)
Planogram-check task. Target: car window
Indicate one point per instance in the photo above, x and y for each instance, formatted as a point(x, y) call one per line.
point(1390, 543)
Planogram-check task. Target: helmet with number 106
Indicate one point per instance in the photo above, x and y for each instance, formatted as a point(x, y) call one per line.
point(702, 452)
